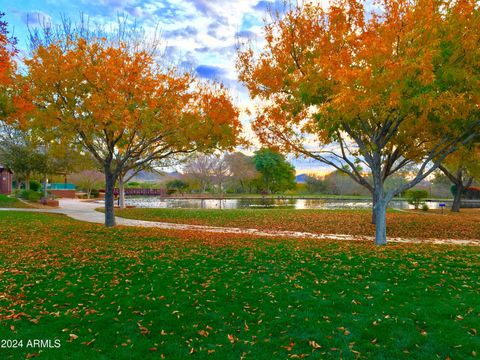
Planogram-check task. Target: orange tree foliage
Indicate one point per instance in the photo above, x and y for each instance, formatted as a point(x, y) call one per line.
point(123, 107)
point(386, 88)
point(7, 67)
point(7, 52)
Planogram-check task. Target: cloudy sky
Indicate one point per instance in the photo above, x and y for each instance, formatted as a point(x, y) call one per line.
point(201, 34)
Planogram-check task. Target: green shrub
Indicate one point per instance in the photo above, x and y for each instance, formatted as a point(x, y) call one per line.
point(35, 185)
point(425, 207)
point(95, 193)
point(176, 185)
point(23, 194)
point(34, 196)
point(30, 195)
point(416, 197)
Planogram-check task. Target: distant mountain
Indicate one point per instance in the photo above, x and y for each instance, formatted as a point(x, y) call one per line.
point(155, 177)
point(174, 174)
point(301, 179)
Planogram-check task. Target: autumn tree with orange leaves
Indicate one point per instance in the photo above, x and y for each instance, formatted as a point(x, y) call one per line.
point(7, 67)
point(124, 108)
point(381, 89)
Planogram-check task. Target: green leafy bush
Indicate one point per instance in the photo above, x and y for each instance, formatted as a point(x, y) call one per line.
point(176, 185)
point(35, 185)
point(425, 207)
point(416, 197)
point(30, 195)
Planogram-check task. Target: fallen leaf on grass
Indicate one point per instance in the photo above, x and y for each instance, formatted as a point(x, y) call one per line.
point(143, 330)
point(288, 347)
point(231, 338)
point(88, 343)
point(203, 333)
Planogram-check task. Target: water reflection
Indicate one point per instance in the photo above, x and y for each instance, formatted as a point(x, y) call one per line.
point(265, 203)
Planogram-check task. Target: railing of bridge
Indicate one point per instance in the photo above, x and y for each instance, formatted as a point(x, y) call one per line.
point(143, 192)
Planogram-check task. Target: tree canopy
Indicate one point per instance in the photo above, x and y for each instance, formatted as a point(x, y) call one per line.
point(8, 67)
point(385, 87)
point(277, 174)
point(7, 52)
point(123, 107)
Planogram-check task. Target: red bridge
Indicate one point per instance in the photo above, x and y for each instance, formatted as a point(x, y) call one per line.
point(143, 192)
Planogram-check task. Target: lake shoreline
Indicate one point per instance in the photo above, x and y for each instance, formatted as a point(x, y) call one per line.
point(297, 203)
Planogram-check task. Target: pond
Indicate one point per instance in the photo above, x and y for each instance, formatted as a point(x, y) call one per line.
point(326, 204)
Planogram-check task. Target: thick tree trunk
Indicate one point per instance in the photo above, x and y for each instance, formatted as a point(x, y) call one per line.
point(381, 222)
point(374, 202)
point(121, 192)
point(457, 179)
point(381, 202)
point(109, 199)
point(457, 198)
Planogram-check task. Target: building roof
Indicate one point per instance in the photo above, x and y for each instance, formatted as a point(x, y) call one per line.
point(4, 168)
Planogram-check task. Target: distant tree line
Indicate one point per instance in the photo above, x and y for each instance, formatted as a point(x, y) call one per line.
point(267, 172)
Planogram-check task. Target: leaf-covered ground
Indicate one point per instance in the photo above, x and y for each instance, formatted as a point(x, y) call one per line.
point(464, 225)
point(129, 293)
point(10, 202)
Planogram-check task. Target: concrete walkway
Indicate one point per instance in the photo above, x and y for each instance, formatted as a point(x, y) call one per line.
point(85, 211)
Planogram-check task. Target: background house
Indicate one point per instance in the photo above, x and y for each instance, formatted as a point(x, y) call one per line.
point(5, 180)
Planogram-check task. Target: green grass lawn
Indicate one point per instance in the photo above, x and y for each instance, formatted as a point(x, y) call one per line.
point(128, 293)
point(464, 225)
point(11, 202)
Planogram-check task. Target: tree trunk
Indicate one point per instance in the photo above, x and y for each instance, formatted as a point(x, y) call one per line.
point(381, 202)
point(121, 193)
point(457, 179)
point(374, 202)
point(381, 222)
point(457, 198)
point(27, 183)
point(109, 199)
point(45, 186)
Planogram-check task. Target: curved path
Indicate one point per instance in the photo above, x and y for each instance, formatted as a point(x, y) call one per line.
point(85, 211)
